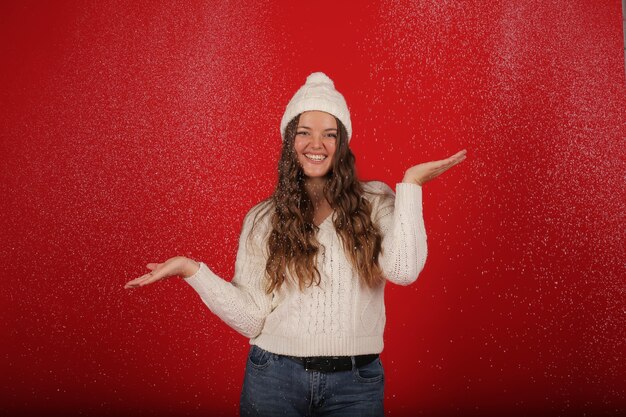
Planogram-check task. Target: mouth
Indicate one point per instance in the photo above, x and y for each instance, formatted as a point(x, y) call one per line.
point(315, 158)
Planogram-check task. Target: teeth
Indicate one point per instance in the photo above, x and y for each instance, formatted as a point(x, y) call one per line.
point(315, 157)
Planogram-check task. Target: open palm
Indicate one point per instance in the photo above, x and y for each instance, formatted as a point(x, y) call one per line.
point(172, 267)
point(422, 173)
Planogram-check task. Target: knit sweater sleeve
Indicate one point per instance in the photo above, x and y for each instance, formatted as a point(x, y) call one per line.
point(401, 221)
point(241, 303)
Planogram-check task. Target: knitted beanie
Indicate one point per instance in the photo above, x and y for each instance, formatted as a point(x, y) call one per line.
point(318, 93)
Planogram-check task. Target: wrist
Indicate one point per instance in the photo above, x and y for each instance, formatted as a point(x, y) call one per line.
point(408, 180)
point(190, 268)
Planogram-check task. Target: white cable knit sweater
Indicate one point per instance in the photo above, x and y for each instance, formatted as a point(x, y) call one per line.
point(337, 318)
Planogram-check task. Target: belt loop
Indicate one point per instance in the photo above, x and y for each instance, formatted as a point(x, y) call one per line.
point(353, 362)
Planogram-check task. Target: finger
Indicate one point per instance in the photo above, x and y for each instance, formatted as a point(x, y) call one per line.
point(442, 163)
point(134, 281)
point(149, 279)
point(138, 284)
point(453, 163)
point(460, 153)
point(133, 284)
point(458, 160)
point(445, 164)
point(443, 168)
point(137, 281)
point(450, 159)
point(458, 156)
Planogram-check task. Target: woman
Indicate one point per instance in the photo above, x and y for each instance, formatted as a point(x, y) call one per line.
point(311, 268)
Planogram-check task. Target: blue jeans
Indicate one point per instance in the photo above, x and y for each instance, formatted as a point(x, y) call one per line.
point(275, 385)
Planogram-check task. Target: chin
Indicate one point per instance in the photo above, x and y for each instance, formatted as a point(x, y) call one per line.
point(317, 174)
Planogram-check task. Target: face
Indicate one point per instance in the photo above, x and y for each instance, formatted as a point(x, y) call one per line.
point(315, 142)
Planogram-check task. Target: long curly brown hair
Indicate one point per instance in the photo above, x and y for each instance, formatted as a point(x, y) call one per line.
point(292, 244)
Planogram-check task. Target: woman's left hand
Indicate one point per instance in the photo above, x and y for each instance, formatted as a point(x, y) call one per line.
point(422, 173)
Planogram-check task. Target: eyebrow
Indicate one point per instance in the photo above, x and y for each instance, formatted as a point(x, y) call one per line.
point(305, 127)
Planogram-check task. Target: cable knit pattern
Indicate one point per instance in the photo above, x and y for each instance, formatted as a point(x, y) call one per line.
point(339, 317)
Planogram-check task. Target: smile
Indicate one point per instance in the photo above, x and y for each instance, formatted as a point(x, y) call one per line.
point(316, 158)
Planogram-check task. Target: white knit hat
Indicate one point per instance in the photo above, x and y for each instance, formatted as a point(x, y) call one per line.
point(318, 93)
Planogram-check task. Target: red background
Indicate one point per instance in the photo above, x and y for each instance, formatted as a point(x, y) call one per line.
point(135, 131)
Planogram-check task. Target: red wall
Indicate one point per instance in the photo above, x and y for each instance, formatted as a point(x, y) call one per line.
point(136, 131)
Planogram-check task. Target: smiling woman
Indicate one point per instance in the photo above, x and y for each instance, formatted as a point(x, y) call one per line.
point(315, 144)
point(316, 140)
point(312, 265)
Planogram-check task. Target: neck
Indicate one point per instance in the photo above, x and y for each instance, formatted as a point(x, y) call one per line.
point(314, 187)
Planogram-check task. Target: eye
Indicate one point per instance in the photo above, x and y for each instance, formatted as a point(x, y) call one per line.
point(302, 132)
point(333, 135)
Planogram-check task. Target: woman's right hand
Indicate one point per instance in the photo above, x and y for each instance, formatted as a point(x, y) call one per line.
point(178, 265)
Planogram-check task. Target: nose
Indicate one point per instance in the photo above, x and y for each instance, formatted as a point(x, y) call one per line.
point(316, 141)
